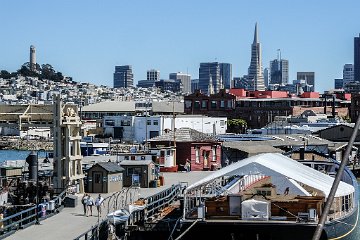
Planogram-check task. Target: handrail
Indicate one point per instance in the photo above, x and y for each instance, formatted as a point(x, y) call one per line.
point(169, 196)
point(27, 216)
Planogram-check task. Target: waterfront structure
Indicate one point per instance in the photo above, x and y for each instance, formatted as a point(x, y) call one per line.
point(185, 80)
point(279, 71)
point(32, 58)
point(153, 74)
point(201, 151)
point(123, 76)
point(139, 173)
point(357, 58)
point(255, 79)
point(105, 177)
point(348, 74)
point(309, 78)
point(67, 154)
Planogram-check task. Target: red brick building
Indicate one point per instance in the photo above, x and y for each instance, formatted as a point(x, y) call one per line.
point(201, 150)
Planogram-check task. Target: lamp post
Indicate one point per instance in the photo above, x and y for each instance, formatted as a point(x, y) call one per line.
point(37, 183)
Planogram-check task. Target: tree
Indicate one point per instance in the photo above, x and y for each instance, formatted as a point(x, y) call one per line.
point(237, 125)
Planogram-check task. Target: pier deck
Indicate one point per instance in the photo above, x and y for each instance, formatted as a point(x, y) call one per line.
point(71, 222)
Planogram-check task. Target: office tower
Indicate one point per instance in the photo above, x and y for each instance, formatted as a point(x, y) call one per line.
point(209, 71)
point(32, 58)
point(309, 78)
point(338, 83)
point(194, 85)
point(123, 77)
point(279, 70)
point(185, 80)
point(357, 59)
point(266, 77)
point(255, 79)
point(226, 74)
point(348, 74)
point(153, 74)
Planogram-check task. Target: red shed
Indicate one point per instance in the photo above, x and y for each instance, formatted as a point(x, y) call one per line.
point(201, 150)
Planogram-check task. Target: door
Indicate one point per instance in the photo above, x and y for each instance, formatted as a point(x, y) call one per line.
point(118, 132)
point(206, 155)
point(98, 182)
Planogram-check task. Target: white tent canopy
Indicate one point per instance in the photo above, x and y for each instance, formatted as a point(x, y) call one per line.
point(277, 165)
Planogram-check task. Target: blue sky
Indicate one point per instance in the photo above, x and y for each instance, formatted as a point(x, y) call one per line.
point(85, 39)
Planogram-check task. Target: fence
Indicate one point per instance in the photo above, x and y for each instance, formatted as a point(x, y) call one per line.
point(27, 217)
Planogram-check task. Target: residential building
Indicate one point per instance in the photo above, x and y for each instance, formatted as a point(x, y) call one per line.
point(185, 80)
point(202, 151)
point(153, 74)
point(309, 78)
point(357, 58)
point(255, 79)
point(123, 77)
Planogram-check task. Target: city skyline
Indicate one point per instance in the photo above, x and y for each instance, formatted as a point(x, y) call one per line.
point(96, 36)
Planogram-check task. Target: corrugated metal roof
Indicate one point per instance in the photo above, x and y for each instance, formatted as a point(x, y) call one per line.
point(111, 106)
point(135, 162)
point(185, 135)
point(110, 167)
point(169, 107)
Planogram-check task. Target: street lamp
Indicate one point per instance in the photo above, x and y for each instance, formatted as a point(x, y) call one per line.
point(33, 161)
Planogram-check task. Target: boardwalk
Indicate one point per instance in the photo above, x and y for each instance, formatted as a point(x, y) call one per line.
point(71, 222)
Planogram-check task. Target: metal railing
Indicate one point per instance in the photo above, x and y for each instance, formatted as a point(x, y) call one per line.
point(161, 199)
point(27, 217)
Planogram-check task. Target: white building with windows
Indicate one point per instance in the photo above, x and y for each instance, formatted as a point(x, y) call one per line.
point(142, 128)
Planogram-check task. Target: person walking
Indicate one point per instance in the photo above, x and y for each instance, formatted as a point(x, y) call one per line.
point(84, 202)
point(90, 204)
point(98, 203)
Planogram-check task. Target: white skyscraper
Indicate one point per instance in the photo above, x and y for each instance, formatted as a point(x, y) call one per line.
point(255, 77)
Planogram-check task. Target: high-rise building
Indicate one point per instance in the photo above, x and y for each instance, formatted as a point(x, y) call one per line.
point(348, 74)
point(357, 59)
point(266, 77)
point(255, 79)
point(209, 74)
point(153, 74)
point(226, 74)
point(123, 77)
point(309, 78)
point(279, 71)
point(338, 83)
point(194, 85)
point(32, 58)
point(185, 80)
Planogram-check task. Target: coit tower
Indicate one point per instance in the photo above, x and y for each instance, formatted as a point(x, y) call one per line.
point(32, 58)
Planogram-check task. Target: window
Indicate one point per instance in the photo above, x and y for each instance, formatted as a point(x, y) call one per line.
point(213, 104)
point(204, 104)
point(188, 104)
point(109, 123)
point(133, 170)
point(222, 123)
point(229, 104)
point(156, 122)
point(197, 154)
point(148, 122)
point(197, 104)
point(222, 104)
point(125, 122)
point(213, 154)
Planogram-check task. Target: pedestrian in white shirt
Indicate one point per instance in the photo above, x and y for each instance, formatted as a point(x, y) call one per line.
point(98, 202)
